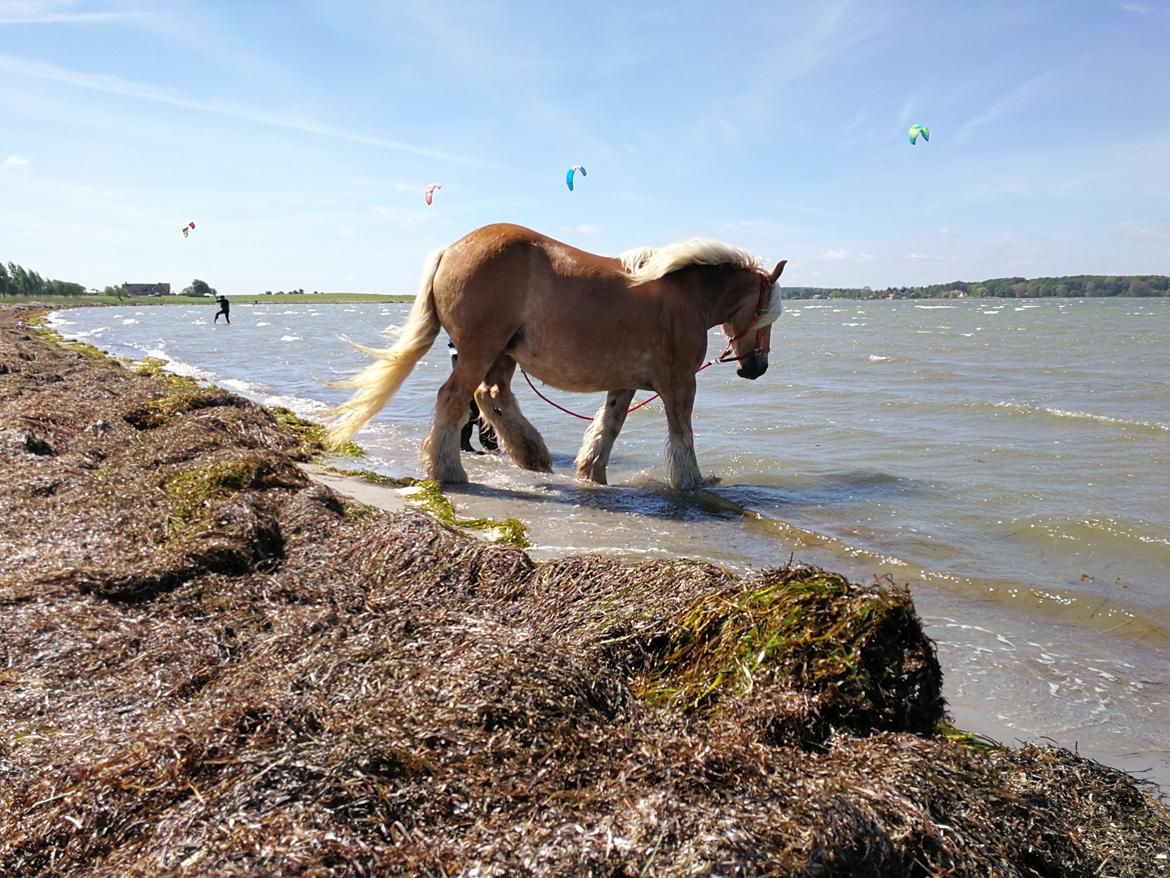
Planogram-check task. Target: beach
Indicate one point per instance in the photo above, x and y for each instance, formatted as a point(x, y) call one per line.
point(215, 663)
point(978, 451)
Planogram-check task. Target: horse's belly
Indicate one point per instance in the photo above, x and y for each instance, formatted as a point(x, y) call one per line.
point(584, 374)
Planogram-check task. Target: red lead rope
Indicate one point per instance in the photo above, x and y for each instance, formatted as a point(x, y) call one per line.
point(722, 358)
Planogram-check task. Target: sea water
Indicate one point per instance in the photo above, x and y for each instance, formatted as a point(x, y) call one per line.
point(1008, 459)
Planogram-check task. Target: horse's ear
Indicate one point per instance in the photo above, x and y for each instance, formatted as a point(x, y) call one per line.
point(778, 270)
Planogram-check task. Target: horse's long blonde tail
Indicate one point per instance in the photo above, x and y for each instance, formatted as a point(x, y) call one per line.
point(380, 380)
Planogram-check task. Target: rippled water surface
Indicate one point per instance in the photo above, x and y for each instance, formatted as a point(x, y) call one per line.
point(1008, 459)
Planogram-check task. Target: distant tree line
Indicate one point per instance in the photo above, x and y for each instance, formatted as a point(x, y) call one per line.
point(200, 288)
point(18, 281)
point(15, 280)
point(1075, 286)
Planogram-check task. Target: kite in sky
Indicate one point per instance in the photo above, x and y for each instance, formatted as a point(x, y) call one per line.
point(430, 193)
point(916, 130)
point(187, 229)
point(569, 175)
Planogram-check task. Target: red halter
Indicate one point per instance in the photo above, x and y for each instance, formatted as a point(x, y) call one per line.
point(765, 284)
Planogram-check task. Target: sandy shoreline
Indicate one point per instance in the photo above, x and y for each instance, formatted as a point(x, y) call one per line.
point(212, 663)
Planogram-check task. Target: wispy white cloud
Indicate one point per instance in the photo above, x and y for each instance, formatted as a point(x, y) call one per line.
point(15, 161)
point(840, 254)
point(55, 12)
point(114, 85)
point(856, 122)
point(907, 111)
point(1155, 230)
point(1012, 102)
point(996, 188)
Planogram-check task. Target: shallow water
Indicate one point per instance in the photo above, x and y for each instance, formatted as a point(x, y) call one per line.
point(1010, 460)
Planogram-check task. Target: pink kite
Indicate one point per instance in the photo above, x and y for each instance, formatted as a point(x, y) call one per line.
point(187, 229)
point(430, 191)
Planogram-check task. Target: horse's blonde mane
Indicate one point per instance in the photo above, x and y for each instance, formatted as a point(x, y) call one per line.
point(646, 263)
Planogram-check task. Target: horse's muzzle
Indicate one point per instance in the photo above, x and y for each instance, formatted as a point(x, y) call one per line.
point(752, 368)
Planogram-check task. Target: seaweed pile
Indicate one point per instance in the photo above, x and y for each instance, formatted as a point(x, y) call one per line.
point(210, 664)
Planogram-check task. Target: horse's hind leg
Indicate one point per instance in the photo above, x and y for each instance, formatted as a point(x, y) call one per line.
point(593, 457)
point(498, 406)
point(440, 450)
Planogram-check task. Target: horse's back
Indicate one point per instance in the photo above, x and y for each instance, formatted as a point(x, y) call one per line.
point(566, 315)
point(502, 264)
point(507, 240)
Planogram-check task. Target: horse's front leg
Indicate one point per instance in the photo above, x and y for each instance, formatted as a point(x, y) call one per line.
point(682, 467)
point(593, 457)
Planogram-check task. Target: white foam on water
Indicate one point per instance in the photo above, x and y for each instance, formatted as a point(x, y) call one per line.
point(129, 321)
point(179, 367)
point(874, 358)
point(299, 405)
point(291, 338)
point(245, 387)
point(263, 323)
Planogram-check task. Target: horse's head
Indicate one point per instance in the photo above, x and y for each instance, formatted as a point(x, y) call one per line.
point(749, 327)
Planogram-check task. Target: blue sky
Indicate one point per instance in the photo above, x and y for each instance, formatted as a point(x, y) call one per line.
point(299, 136)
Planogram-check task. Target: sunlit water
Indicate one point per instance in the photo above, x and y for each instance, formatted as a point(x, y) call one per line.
point(1008, 459)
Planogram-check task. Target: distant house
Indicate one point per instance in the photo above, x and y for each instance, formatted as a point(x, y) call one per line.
point(158, 289)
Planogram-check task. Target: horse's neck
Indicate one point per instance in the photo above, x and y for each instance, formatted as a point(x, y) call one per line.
point(718, 293)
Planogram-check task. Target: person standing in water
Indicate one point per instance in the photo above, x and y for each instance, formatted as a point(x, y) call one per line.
point(224, 309)
point(487, 436)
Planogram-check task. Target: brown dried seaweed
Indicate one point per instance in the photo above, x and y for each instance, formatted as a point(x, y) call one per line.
point(207, 667)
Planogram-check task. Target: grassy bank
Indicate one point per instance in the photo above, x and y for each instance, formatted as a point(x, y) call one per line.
point(212, 665)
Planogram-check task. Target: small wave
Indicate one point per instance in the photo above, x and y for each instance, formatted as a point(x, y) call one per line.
point(1044, 411)
point(263, 323)
point(291, 338)
point(299, 405)
point(181, 368)
point(934, 307)
point(853, 324)
point(1132, 539)
point(244, 387)
point(129, 321)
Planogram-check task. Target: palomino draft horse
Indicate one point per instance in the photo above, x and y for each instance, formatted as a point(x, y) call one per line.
point(508, 295)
